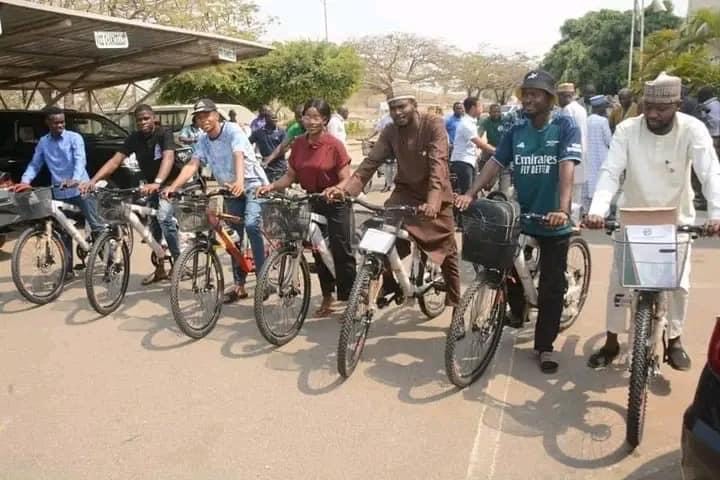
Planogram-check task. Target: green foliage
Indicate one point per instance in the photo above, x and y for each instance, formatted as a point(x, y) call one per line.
point(594, 48)
point(685, 52)
point(293, 73)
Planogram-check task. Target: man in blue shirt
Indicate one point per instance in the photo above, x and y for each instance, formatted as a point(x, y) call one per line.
point(267, 139)
point(226, 149)
point(63, 152)
point(451, 123)
point(543, 152)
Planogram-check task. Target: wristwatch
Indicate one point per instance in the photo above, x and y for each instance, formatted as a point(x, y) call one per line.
point(159, 180)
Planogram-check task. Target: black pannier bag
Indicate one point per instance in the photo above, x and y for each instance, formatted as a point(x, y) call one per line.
point(490, 233)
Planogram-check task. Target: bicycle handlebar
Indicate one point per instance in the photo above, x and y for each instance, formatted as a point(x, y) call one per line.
point(381, 209)
point(694, 230)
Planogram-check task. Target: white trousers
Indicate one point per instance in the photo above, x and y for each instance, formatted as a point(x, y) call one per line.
point(616, 318)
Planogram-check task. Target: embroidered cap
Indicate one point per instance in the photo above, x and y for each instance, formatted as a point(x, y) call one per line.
point(400, 90)
point(599, 101)
point(566, 88)
point(664, 89)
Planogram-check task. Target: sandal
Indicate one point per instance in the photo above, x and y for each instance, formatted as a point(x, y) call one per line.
point(156, 276)
point(677, 357)
point(603, 357)
point(232, 295)
point(548, 364)
point(325, 309)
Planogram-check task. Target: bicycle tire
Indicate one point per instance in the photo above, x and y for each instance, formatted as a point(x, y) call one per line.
point(189, 256)
point(96, 253)
point(359, 295)
point(582, 245)
point(261, 297)
point(21, 243)
point(457, 332)
point(639, 370)
point(428, 310)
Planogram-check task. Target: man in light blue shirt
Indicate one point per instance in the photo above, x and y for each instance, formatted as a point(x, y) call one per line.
point(63, 152)
point(231, 158)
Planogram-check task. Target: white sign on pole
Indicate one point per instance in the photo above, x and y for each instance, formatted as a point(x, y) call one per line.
point(227, 54)
point(111, 40)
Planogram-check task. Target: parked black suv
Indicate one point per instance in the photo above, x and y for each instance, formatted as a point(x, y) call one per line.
point(20, 131)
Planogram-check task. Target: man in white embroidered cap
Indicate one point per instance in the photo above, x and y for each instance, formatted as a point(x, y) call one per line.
point(657, 151)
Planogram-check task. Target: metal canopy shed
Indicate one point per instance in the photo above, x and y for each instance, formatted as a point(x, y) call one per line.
point(44, 47)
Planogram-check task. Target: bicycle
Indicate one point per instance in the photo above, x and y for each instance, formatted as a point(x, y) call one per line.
point(42, 241)
point(367, 146)
point(378, 247)
point(199, 264)
point(477, 323)
point(108, 268)
point(290, 223)
point(650, 268)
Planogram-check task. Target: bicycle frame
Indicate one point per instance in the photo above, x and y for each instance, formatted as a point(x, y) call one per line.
point(65, 223)
point(132, 214)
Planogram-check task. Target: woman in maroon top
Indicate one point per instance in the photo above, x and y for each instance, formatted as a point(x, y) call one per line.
point(319, 161)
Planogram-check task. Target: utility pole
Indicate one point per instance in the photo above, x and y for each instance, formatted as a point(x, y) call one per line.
point(327, 38)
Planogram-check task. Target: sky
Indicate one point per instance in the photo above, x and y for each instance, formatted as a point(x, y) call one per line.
point(530, 26)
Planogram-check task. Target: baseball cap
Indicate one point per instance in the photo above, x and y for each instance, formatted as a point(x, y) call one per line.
point(539, 79)
point(204, 105)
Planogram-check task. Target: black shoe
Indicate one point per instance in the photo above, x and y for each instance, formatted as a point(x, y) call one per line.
point(677, 357)
point(603, 357)
point(69, 276)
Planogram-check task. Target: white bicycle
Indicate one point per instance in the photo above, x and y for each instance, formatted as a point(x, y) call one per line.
point(108, 266)
point(282, 295)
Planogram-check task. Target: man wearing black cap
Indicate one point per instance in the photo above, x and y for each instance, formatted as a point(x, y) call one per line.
point(154, 149)
point(543, 153)
point(227, 151)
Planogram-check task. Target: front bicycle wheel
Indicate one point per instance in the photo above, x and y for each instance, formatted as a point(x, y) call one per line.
point(475, 331)
point(577, 275)
point(432, 302)
point(196, 291)
point(356, 320)
point(639, 369)
point(282, 295)
point(107, 272)
point(38, 266)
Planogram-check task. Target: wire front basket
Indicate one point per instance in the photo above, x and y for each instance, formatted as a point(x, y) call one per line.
point(192, 214)
point(655, 264)
point(491, 243)
point(113, 207)
point(285, 220)
point(30, 205)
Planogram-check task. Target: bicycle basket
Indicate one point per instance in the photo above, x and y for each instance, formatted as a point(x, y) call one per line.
point(284, 220)
point(192, 214)
point(112, 207)
point(490, 233)
point(25, 206)
point(651, 257)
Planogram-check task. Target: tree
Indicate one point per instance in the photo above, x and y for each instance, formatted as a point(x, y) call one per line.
point(594, 48)
point(687, 51)
point(476, 73)
point(292, 73)
point(238, 18)
point(396, 56)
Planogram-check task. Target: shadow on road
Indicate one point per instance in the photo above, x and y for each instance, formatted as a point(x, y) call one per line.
point(576, 430)
point(664, 467)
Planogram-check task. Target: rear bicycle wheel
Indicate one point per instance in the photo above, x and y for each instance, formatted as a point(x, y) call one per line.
point(639, 369)
point(196, 291)
point(107, 272)
point(475, 331)
point(284, 280)
point(38, 265)
point(356, 320)
point(577, 274)
point(432, 302)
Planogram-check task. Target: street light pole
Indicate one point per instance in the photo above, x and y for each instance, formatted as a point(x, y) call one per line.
point(327, 38)
point(632, 43)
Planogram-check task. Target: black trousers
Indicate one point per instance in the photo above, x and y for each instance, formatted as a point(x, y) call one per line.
point(339, 217)
point(551, 290)
point(464, 176)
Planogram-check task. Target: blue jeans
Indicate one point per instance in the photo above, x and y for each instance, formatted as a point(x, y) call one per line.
point(164, 224)
point(88, 207)
point(249, 207)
